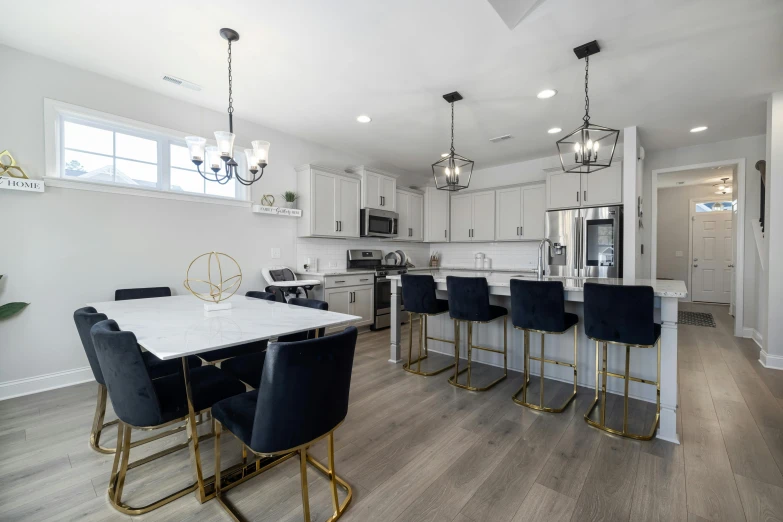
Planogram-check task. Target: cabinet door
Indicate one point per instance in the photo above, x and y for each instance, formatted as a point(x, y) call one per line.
point(403, 223)
point(565, 190)
point(484, 216)
point(388, 192)
point(415, 214)
point(362, 304)
point(461, 217)
point(437, 212)
point(509, 214)
point(339, 300)
point(371, 190)
point(533, 212)
point(603, 187)
point(348, 207)
point(324, 204)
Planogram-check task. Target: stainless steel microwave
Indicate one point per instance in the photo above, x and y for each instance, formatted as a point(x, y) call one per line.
point(378, 223)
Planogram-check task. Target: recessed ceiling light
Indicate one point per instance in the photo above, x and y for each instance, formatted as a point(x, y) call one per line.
point(546, 93)
point(681, 183)
point(555, 130)
point(364, 119)
point(699, 129)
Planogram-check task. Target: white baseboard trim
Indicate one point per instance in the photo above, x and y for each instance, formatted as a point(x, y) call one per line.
point(747, 332)
point(773, 362)
point(756, 336)
point(40, 383)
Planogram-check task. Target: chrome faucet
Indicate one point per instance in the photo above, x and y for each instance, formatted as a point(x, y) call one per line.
point(540, 269)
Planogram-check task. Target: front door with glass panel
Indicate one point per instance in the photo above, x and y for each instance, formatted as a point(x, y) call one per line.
point(712, 247)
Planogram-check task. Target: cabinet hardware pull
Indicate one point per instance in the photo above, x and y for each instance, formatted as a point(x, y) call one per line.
point(585, 196)
point(363, 279)
point(445, 233)
point(577, 196)
point(336, 226)
point(339, 281)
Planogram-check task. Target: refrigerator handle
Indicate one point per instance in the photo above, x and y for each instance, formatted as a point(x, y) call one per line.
point(582, 246)
point(575, 243)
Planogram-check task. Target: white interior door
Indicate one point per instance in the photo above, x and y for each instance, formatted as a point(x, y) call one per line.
point(711, 271)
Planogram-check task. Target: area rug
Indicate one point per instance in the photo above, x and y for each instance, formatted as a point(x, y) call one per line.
point(696, 318)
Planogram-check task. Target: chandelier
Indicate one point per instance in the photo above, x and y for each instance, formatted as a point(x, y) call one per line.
point(452, 172)
point(211, 157)
point(590, 147)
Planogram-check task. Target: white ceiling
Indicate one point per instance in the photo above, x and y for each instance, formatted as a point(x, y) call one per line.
point(309, 67)
point(708, 176)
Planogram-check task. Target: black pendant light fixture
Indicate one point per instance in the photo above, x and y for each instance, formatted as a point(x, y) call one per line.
point(257, 157)
point(590, 147)
point(452, 172)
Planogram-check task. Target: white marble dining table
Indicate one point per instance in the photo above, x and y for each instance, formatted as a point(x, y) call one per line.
point(178, 327)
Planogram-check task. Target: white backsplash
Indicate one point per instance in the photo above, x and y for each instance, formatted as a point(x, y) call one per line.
point(503, 255)
point(331, 253)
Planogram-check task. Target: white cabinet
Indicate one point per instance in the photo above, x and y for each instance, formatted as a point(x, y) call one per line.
point(520, 212)
point(329, 201)
point(379, 189)
point(353, 300)
point(473, 217)
point(410, 208)
point(602, 187)
point(436, 215)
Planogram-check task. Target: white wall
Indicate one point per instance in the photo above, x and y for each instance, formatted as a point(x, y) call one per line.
point(674, 225)
point(65, 248)
point(752, 149)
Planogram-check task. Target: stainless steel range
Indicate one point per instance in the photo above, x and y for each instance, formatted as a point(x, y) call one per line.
point(373, 260)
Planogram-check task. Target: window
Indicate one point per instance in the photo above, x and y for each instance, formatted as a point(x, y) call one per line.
point(713, 206)
point(88, 149)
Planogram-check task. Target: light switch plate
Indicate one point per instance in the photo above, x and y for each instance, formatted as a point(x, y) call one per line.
point(275, 253)
point(678, 253)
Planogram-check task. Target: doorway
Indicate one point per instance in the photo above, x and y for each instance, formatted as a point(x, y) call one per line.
point(711, 272)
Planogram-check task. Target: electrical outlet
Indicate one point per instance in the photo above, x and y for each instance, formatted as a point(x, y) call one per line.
point(678, 253)
point(332, 264)
point(275, 253)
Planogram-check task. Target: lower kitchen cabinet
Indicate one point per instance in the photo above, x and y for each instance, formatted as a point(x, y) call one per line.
point(352, 300)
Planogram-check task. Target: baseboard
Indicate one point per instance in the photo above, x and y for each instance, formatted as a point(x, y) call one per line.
point(756, 336)
point(747, 332)
point(40, 383)
point(773, 362)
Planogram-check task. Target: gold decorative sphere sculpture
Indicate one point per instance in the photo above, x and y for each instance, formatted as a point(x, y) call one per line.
point(218, 288)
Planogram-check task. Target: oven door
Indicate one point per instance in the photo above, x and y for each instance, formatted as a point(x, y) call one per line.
point(383, 303)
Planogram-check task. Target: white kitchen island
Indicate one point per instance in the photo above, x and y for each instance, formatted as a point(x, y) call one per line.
point(643, 361)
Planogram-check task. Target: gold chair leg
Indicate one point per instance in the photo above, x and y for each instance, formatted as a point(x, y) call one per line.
point(627, 382)
point(603, 387)
point(303, 478)
point(526, 379)
point(97, 424)
point(332, 479)
point(470, 349)
point(423, 349)
point(454, 380)
point(541, 373)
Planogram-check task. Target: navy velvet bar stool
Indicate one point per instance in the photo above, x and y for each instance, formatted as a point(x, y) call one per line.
point(87, 317)
point(539, 306)
point(418, 294)
point(126, 294)
point(302, 398)
point(469, 303)
point(617, 314)
point(247, 368)
point(144, 403)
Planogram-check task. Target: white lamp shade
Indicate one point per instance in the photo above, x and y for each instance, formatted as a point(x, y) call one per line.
point(225, 143)
point(213, 158)
point(196, 147)
point(252, 161)
point(261, 149)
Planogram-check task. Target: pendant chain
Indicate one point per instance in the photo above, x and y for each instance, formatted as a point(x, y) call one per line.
point(452, 128)
point(230, 81)
point(586, 117)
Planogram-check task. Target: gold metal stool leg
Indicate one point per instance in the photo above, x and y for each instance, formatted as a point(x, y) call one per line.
point(543, 360)
point(454, 380)
point(423, 349)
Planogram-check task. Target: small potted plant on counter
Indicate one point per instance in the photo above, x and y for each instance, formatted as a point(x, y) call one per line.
point(290, 197)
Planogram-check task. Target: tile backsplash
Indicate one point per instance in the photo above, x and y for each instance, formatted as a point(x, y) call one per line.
point(503, 254)
point(331, 253)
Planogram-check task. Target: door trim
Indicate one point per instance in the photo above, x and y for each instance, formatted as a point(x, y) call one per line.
point(691, 214)
point(739, 236)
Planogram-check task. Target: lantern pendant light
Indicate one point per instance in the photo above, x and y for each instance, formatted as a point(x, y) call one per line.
point(452, 172)
point(590, 147)
point(257, 157)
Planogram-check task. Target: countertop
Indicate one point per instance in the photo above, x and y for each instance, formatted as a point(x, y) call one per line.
point(358, 271)
point(497, 278)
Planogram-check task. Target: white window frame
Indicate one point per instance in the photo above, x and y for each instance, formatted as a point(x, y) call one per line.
point(56, 113)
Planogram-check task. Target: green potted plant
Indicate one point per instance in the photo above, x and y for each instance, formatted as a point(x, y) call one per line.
point(11, 309)
point(290, 197)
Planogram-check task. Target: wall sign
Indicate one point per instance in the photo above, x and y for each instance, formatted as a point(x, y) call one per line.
point(25, 185)
point(277, 211)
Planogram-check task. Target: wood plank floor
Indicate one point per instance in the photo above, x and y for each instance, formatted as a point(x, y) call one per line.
point(417, 449)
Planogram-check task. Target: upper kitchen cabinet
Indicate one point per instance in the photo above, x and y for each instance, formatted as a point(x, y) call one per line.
point(410, 208)
point(473, 216)
point(568, 190)
point(379, 189)
point(520, 212)
point(436, 215)
point(329, 200)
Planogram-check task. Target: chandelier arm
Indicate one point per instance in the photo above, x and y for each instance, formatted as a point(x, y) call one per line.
point(255, 178)
point(219, 179)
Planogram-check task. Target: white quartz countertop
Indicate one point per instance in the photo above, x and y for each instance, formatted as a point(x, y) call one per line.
point(661, 287)
point(335, 272)
point(359, 271)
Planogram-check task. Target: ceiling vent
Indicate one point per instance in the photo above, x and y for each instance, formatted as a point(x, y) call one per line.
point(501, 138)
point(181, 82)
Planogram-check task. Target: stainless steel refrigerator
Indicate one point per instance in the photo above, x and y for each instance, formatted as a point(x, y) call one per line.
point(586, 242)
